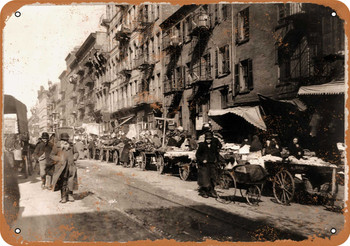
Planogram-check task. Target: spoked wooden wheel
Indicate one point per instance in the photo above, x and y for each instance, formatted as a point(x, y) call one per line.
point(143, 161)
point(253, 195)
point(160, 164)
point(226, 188)
point(185, 171)
point(283, 187)
point(116, 157)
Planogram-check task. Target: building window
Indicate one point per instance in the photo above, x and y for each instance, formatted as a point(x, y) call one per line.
point(244, 76)
point(224, 98)
point(225, 11)
point(157, 12)
point(295, 64)
point(222, 61)
point(242, 26)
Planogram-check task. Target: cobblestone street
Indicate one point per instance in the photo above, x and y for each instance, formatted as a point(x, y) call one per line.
point(122, 204)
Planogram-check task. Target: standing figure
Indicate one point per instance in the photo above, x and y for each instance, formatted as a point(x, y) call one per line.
point(207, 156)
point(64, 155)
point(91, 149)
point(42, 155)
point(80, 148)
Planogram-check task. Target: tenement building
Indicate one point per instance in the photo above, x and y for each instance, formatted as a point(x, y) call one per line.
point(245, 68)
point(135, 67)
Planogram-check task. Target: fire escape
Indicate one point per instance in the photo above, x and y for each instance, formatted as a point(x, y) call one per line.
point(144, 62)
point(200, 78)
point(174, 79)
point(303, 56)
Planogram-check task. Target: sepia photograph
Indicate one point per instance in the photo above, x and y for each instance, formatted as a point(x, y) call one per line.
point(164, 123)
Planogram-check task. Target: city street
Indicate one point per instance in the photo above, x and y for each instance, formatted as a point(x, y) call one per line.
point(122, 204)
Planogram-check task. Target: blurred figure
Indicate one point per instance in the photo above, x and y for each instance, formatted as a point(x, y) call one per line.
point(65, 179)
point(80, 148)
point(42, 155)
point(91, 147)
point(271, 149)
point(256, 144)
point(295, 149)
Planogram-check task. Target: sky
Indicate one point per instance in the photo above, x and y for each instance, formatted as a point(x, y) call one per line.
point(36, 44)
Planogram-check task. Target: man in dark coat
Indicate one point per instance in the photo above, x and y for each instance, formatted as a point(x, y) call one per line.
point(42, 155)
point(91, 149)
point(207, 157)
point(64, 178)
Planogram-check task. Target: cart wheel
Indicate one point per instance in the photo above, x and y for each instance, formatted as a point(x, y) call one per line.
point(184, 172)
point(160, 164)
point(253, 195)
point(226, 188)
point(131, 159)
point(143, 162)
point(116, 157)
point(283, 187)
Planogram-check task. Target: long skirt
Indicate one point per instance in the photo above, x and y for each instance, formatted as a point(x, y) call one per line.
point(207, 174)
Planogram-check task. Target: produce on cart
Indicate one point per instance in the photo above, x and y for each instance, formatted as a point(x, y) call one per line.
point(185, 160)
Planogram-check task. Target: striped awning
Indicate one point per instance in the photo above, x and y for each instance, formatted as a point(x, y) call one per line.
point(331, 88)
point(250, 114)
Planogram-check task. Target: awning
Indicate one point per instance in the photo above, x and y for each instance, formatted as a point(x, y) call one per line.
point(331, 88)
point(296, 102)
point(250, 114)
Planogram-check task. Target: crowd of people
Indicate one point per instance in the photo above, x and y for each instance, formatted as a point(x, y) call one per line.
point(56, 157)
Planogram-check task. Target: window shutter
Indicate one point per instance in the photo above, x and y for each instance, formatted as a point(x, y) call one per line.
point(227, 59)
point(217, 15)
point(250, 74)
point(189, 24)
point(237, 82)
point(246, 23)
point(216, 63)
point(237, 27)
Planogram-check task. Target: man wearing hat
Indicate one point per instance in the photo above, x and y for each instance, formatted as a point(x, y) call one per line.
point(42, 155)
point(207, 156)
point(64, 178)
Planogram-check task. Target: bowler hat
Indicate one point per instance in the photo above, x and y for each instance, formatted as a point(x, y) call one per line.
point(64, 136)
point(208, 135)
point(45, 135)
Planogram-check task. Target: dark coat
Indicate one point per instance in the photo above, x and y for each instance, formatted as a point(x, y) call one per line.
point(295, 150)
point(42, 154)
point(63, 158)
point(43, 148)
point(207, 172)
point(124, 157)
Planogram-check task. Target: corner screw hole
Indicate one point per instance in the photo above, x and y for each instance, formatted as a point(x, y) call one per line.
point(17, 231)
point(333, 230)
point(334, 14)
point(18, 14)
